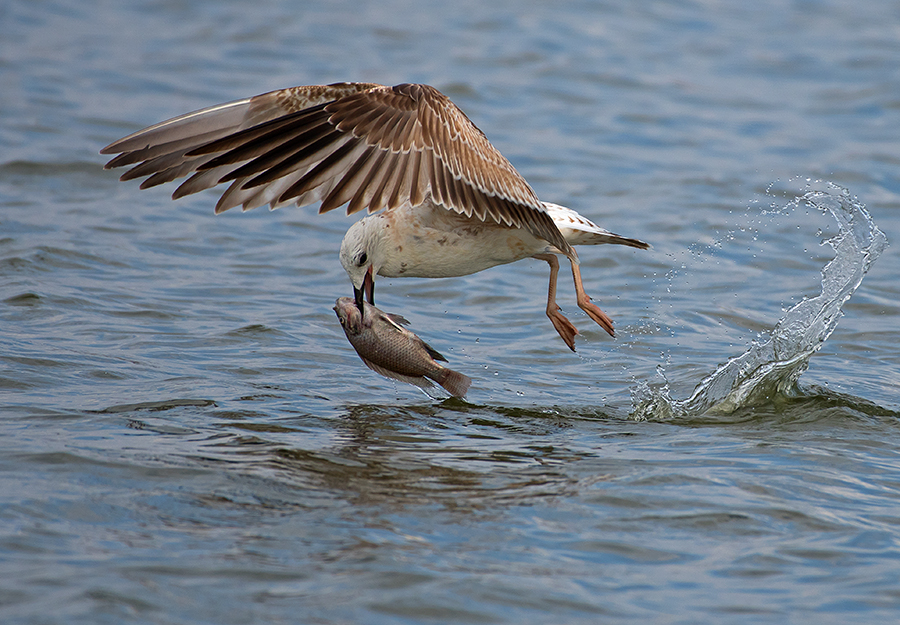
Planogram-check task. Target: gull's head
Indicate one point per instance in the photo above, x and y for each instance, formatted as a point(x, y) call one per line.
point(359, 255)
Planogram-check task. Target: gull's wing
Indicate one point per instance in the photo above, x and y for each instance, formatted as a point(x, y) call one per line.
point(368, 145)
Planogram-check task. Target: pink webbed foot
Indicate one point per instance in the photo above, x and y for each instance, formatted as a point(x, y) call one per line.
point(563, 326)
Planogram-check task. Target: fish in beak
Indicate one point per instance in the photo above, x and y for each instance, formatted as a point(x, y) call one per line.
point(393, 351)
point(366, 291)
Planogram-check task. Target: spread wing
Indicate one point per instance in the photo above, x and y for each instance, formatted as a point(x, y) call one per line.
point(365, 145)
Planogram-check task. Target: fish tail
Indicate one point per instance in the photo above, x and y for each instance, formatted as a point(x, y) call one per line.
point(453, 382)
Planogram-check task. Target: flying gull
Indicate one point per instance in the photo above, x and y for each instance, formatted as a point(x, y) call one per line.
point(442, 201)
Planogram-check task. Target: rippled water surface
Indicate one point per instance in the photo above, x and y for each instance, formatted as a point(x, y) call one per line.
point(187, 437)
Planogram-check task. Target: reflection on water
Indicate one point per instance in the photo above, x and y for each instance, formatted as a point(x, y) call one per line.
point(773, 366)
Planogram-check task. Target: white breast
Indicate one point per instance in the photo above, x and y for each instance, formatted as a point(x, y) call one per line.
point(431, 242)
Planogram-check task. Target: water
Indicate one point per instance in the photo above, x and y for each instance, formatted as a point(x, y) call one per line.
point(772, 367)
point(187, 437)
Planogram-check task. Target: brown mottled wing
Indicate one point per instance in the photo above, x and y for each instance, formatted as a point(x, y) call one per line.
point(162, 150)
point(369, 146)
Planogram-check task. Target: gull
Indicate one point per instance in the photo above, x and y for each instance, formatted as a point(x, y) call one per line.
point(441, 200)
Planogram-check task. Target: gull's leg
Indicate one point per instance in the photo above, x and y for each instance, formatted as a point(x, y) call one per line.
point(585, 304)
point(565, 328)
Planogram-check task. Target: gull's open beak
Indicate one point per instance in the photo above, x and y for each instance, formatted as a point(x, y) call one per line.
point(367, 292)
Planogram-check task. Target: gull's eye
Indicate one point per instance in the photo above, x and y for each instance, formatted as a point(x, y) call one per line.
point(363, 258)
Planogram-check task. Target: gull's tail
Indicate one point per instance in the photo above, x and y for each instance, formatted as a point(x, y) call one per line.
point(580, 231)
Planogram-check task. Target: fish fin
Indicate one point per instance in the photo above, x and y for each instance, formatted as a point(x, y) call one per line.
point(397, 319)
point(419, 381)
point(453, 382)
point(432, 351)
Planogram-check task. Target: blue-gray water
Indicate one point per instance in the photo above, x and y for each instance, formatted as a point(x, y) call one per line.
point(187, 437)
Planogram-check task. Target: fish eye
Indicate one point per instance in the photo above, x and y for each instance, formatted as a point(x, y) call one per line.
point(363, 258)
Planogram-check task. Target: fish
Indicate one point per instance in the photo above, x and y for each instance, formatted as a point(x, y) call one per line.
point(388, 348)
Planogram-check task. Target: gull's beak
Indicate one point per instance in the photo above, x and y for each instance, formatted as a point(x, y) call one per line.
point(366, 292)
point(358, 296)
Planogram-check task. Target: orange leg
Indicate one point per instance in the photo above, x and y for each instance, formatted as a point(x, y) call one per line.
point(565, 328)
point(585, 304)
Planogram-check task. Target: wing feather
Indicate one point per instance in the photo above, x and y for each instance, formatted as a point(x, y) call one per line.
point(346, 188)
point(369, 146)
point(310, 153)
point(325, 170)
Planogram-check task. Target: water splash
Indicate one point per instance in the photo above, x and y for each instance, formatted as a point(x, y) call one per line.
point(773, 366)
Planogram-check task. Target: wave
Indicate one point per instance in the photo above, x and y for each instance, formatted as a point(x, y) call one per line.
point(774, 366)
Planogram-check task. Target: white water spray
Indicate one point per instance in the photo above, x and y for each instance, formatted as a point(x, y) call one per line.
point(773, 366)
